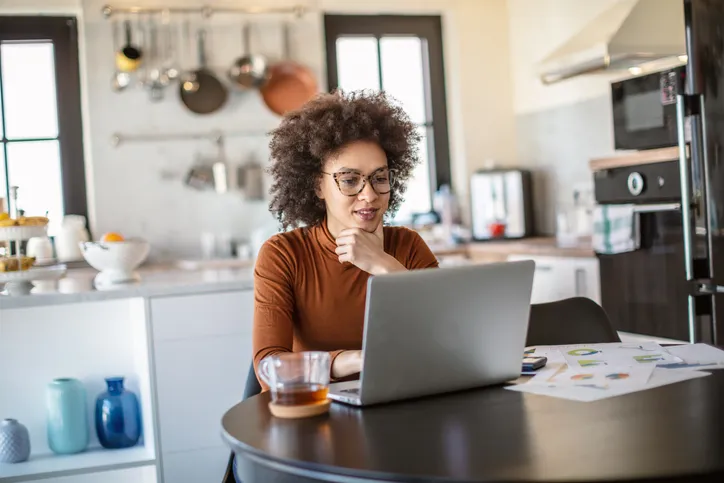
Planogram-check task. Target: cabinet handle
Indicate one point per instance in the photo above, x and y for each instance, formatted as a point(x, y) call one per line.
point(543, 268)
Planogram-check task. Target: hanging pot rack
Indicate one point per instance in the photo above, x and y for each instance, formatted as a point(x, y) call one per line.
point(204, 10)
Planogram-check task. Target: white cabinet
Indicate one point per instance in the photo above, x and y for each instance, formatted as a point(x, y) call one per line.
point(559, 278)
point(202, 351)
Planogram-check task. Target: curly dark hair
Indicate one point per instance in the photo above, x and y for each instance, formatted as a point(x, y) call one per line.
point(320, 129)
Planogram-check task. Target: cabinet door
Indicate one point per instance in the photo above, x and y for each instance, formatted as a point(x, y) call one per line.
point(202, 352)
point(553, 279)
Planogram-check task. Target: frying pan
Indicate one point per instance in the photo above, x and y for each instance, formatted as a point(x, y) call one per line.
point(290, 84)
point(210, 94)
point(250, 70)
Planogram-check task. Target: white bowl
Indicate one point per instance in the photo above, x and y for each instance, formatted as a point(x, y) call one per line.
point(117, 261)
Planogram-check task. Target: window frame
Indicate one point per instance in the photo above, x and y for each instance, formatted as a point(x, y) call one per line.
point(428, 27)
point(63, 33)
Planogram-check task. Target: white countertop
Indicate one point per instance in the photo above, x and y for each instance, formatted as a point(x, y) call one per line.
point(77, 286)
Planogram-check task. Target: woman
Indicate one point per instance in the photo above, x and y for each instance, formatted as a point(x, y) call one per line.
point(340, 165)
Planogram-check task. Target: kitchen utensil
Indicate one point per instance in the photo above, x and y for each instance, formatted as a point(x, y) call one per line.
point(129, 58)
point(221, 182)
point(116, 261)
point(188, 83)
point(154, 84)
point(120, 79)
point(249, 71)
point(211, 95)
point(250, 180)
point(200, 176)
point(170, 68)
point(290, 84)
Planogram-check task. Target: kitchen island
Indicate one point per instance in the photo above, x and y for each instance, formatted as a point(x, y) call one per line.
point(182, 340)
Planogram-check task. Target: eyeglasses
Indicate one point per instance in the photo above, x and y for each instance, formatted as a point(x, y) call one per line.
point(351, 183)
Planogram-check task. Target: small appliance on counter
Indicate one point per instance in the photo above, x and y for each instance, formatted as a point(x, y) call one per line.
point(501, 204)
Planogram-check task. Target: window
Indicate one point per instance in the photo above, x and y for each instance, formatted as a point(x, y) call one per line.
point(403, 56)
point(40, 116)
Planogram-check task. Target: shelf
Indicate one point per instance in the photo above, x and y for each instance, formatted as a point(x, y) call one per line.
point(90, 461)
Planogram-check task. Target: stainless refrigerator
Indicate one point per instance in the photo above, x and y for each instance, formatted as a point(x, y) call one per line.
point(700, 98)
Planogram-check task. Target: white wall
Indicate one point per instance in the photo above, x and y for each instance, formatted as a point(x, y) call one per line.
point(536, 29)
point(559, 127)
point(129, 184)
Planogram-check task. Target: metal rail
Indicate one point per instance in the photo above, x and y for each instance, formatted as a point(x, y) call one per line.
point(205, 10)
point(214, 136)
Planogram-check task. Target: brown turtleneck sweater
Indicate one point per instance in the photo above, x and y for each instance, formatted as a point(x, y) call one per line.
point(305, 299)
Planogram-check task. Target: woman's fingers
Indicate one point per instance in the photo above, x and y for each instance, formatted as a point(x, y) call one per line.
point(346, 240)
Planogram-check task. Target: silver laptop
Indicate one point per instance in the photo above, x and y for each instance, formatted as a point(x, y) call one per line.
point(441, 330)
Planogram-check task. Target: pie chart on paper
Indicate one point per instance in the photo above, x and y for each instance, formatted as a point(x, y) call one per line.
point(583, 352)
point(618, 376)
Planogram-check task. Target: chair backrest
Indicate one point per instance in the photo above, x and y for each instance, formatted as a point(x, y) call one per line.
point(252, 387)
point(577, 320)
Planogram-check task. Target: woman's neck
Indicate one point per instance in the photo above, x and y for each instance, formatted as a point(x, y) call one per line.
point(333, 227)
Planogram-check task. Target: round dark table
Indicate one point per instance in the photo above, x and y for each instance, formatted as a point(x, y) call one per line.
point(670, 433)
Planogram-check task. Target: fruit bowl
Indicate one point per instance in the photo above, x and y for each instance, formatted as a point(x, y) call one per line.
point(117, 260)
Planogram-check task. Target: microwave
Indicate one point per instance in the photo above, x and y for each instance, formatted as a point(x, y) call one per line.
point(644, 110)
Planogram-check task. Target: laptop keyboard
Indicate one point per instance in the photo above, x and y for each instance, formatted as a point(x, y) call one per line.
point(353, 390)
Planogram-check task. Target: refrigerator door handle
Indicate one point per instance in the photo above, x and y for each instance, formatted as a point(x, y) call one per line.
point(685, 186)
point(657, 207)
point(686, 209)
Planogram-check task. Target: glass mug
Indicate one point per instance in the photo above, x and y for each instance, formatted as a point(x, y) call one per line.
point(296, 378)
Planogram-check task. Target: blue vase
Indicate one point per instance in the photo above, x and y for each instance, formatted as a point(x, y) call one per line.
point(14, 442)
point(68, 429)
point(118, 416)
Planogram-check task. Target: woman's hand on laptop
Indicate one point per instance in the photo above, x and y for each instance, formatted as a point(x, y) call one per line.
point(366, 251)
point(347, 363)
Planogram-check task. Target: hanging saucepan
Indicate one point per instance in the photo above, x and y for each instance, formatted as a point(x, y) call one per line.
point(128, 58)
point(290, 84)
point(249, 71)
point(210, 95)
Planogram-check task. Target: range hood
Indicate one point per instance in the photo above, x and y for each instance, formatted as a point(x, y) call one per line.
point(628, 35)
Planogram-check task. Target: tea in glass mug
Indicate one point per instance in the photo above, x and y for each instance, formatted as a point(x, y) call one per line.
point(296, 378)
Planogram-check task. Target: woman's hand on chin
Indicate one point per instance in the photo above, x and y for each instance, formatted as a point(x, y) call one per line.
point(366, 251)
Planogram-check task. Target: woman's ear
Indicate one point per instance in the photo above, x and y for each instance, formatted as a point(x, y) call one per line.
point(318, 189)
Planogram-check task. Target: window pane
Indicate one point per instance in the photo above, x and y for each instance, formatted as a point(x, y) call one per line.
point(1, 124)
point(28, 73)
point(34, 167)
point(418, 198)
point(3, 185)
point(357, 66)
point(402, 74)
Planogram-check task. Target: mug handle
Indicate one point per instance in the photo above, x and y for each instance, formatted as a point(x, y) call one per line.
point(264, 371)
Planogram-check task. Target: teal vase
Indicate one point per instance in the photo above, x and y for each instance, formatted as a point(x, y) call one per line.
point(66, 403)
